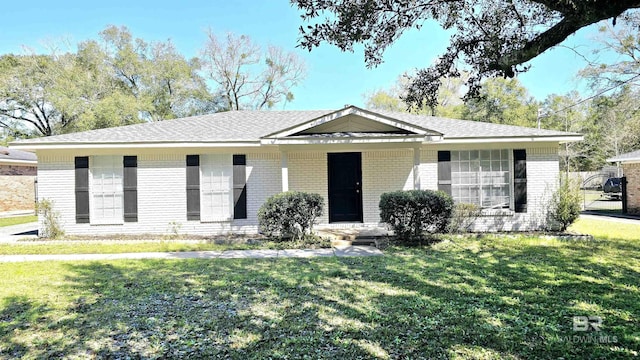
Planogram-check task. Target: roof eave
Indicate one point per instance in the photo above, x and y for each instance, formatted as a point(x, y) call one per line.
point(349, 140)
point(18, 162)
point(631, 160)
point(132, 145)
point(507, 139)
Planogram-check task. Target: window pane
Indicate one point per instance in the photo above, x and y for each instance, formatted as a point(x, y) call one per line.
point(215, 185)
point(486, 165)
point(481, 177)
point(106, 188)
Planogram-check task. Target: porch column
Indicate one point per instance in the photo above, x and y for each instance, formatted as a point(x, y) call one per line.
point(284, 166)
point(416, 167)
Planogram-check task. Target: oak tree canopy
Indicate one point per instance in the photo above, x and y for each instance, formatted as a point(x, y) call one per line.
point(492, 37)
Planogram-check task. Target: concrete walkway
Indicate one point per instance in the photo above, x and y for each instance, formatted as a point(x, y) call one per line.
point(229, 254)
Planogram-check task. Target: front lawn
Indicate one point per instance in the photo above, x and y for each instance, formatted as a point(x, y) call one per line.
point(17, 220)
point(470, 297)
point(607, 229)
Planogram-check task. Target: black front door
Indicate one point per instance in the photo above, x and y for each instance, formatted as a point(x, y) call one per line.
point(345, 186)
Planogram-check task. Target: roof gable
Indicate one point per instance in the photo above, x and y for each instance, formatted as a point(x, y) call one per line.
point(353, 120)
point(353, 123)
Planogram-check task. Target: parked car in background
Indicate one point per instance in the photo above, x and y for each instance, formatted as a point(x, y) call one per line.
point(613, 188)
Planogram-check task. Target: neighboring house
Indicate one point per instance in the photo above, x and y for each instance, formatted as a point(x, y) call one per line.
point(212, 173)
point(17, 179)
point(631, 170)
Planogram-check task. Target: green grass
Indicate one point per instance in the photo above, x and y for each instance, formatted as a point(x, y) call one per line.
point(16, 220)
point(467, 297)
point(604, 229)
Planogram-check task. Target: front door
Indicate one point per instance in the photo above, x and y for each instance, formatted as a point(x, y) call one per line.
point(345, 186)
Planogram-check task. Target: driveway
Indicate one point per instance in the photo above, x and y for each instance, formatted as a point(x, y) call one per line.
point(613, 218)
point(16, 232)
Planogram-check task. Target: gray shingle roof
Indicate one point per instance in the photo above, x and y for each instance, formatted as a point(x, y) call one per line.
point(453, 128)
point(236, 126)
point(631, 156)
point(16, 155)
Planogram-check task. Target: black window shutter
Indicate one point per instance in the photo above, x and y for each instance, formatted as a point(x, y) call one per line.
point(520, 180)
point(82, 189)
point(239, 187)
point(130, 185)
point(193, 187)
point(444, 171)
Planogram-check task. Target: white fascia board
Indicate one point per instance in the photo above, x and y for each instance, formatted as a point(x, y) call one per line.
point(58, 146)
point(328, 141)
point(625, 161)
point(18, 162)
point(560, 139)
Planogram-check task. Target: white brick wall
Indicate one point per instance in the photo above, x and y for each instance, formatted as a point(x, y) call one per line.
point(384, 171)
point(429, 169)
point(162, 195)
point(308, 173)
point(263, 180)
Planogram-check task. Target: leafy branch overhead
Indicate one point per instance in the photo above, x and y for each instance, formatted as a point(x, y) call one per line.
point(492, 37)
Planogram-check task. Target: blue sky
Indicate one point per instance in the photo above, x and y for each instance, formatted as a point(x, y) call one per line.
point(334, 78)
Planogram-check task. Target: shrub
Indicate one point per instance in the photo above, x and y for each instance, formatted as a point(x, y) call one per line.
point(412, 213)
point(50, 218)
point(463, 217)
point(290, 214)
point(565, 204)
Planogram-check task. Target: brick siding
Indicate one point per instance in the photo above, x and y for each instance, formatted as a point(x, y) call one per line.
point(17, 193)
point(162, 184)
point(632, 172)
point(18, 170)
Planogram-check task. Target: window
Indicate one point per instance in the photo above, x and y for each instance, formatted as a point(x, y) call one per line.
point(216, 184)
point(481, 177)
point(107, 189)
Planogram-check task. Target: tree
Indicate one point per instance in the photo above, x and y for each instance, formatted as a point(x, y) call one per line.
point(26, 84)
point(247, 77)
point(502, 101)
point(449, 104)
point(560, 112)
point(618, 118)
point(623, 40)
point(493, 37)
point(164, 83)
point(117, 80)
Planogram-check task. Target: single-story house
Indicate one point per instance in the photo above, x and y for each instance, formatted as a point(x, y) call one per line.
point(631, 169)
point(211, 173)
point(17, 179)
